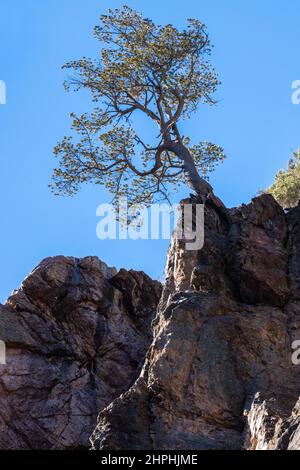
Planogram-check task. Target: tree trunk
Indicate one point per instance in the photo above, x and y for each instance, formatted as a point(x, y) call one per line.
point(196, 183)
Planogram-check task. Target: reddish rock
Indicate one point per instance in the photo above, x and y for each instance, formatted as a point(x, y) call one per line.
point(219, 373)
point(73, 345)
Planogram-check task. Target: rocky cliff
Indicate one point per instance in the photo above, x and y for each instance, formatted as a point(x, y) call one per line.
point(219, 373)
point(76, 334)
point(213, 371)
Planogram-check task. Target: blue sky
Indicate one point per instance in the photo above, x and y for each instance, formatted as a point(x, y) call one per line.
point(256, 55)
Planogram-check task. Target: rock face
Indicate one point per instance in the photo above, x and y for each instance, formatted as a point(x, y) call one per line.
point(219, 373)
point(212, 369)
point(76, 334)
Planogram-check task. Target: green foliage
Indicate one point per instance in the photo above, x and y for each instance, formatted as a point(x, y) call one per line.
point(142, 67)
point(286, 187)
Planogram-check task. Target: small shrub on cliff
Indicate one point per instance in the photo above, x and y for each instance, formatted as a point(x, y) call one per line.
point(286, 187)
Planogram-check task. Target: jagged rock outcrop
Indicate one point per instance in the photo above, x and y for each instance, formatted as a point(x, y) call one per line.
point(76, 334)
point(219, 373)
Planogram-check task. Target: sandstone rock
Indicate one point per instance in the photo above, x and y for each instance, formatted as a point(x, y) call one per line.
point(75, 341)
point(219, 373)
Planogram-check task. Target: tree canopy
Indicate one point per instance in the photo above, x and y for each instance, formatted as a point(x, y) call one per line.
point(158, 71)
point(286, 187)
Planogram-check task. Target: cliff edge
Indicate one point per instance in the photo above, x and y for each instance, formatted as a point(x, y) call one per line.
point(219, 373)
